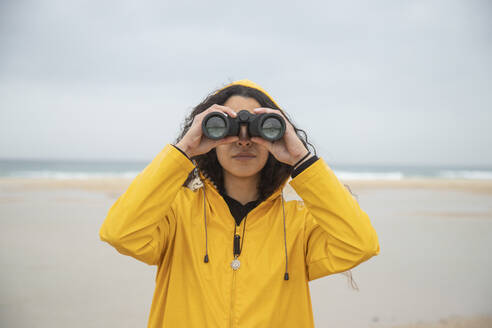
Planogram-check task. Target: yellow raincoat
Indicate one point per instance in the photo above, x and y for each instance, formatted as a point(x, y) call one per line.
point(161, 222)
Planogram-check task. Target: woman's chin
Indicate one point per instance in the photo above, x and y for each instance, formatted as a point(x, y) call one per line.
point(245, 171)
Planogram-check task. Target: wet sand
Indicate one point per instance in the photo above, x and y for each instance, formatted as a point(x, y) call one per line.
point(433, 271)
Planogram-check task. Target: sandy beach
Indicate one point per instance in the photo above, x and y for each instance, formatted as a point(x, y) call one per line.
point(434, 268)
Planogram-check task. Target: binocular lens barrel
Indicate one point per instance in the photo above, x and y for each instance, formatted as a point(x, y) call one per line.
point(216, 127)
point(269, 126)
point(272, 128)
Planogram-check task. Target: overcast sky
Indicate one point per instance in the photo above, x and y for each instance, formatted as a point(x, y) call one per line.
point(388, 82)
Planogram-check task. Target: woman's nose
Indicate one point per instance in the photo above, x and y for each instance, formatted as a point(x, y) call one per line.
point(244, 138)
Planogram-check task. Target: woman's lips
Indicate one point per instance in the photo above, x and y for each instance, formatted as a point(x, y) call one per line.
point(244, 157)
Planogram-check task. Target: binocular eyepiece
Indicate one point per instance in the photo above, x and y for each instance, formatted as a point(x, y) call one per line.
point(269, 126)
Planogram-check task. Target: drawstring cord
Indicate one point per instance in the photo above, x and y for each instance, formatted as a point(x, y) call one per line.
point(205, 219)
point(286, 276)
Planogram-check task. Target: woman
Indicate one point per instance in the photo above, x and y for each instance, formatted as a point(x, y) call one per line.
point(230, 251)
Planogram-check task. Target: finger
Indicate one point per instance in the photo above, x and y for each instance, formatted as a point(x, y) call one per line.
point(262, 110)
point(215, 108)
point(228, 110)
point(199, 118)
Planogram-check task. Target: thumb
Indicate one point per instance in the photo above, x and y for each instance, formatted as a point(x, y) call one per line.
point(262, 142)
point(227, 140)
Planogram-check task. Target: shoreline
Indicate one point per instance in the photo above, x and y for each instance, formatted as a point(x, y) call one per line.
point(117, 184)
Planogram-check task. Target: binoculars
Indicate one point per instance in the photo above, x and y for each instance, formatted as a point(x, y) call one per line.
point(269, 126)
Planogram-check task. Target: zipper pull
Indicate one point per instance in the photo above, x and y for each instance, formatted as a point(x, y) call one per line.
point(235, 264)
point(237, 245)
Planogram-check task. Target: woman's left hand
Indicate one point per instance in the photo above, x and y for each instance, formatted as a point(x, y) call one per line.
point(289, 149)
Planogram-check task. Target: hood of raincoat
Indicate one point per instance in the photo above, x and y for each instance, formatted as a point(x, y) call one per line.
point(250, 84)
point(188, 234)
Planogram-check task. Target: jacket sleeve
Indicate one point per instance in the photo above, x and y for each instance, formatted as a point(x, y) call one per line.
point(140, 222)
point(338, 234)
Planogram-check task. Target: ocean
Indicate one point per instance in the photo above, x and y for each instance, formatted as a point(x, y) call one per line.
point(64, 169)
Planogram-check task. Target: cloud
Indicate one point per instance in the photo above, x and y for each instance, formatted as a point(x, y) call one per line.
point(390, 65)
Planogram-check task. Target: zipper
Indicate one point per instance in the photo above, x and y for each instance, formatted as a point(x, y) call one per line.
point(236, 253)
point(231, 323)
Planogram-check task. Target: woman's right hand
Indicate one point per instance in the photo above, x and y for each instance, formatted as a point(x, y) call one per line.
point(194, 143)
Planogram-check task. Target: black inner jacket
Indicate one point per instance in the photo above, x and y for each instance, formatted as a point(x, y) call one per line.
point(238, 210)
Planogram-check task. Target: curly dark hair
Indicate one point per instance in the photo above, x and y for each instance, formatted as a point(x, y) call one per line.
point(273, 174)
